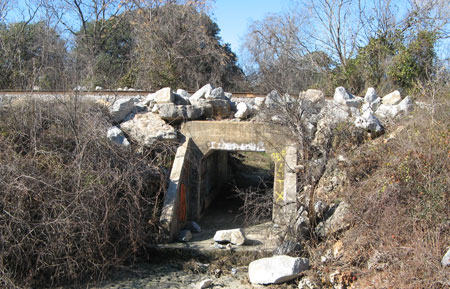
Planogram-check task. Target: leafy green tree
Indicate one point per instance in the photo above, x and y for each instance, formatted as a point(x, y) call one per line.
point(414, 62)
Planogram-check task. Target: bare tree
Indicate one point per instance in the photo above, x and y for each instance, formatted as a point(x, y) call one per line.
point(281, 52)
point(337, 27)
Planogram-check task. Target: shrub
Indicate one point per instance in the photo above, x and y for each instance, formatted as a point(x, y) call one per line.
point(72, 204)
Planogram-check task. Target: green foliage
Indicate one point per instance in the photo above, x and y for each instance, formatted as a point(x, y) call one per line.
point(388, 61)
point(414, 62)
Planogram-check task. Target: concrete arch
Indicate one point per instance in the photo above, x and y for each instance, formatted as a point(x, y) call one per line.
point(203, 157)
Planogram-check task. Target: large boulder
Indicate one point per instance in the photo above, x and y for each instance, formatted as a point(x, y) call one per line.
point(116, 135)
point(371, 95)
point(372, 106)
point(387, 111)
point(216, 93)
point(164, 95)
point(183, 93)
point(341, 96)
point(277, 269)
point(122, 107)
point(406, 105)
point(314, 96)
point(259, 101)
point(234, 236)
point(146, 128)
point(181, 100)
point(392, 98)
point(391, 111)
point(202, 93)
point(272, 99)
point(172, 112)
point(221, 108)
point(337, 222)
point(243, 110)
point(370, 123)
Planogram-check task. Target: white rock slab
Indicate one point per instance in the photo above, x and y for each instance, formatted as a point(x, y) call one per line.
point(234, 236)
point(277, 269)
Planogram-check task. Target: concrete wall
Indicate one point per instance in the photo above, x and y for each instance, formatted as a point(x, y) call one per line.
point(201, 168)
point(181, 200)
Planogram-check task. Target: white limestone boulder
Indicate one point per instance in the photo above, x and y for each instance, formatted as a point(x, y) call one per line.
point(312, 95)
point(122, 107)
point(216, 93)
point(259, 101)
point(276, 270)
point(164, 95)
point(146, 128)
point(116, 135)
point(272, 99)
point(181, 100)
point(341, 96)
point(234, 236)
point(183, 93)
point(406, 105)
point(221, 108)
point(337, 222)
point(369, 122)
point(387, 111)
point(371, 95)
point(243, 110)
point(392, 98)
point(202, 93)
point(172, 112)
point(391, 111)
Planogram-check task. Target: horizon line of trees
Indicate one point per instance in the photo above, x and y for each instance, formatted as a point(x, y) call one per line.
point(151, 44)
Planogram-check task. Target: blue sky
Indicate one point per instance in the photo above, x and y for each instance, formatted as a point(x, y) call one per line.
point(234, 16)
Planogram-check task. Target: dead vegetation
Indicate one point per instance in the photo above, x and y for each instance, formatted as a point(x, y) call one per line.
point(399, 195)
point(73, 205)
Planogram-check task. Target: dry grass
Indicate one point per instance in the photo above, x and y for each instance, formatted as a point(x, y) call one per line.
point(72, 204)
point(400, 195)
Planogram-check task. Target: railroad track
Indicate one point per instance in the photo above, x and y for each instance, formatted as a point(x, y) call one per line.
point(108, 93)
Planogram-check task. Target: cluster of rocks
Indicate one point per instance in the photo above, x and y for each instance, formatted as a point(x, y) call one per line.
point(368, 108)
point(151, 118)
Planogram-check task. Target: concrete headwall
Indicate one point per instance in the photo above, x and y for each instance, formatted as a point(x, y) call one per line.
point(201, 168)
point(180, 203)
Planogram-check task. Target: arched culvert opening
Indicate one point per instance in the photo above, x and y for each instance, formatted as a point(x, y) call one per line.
point(237, 189)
